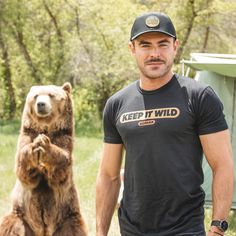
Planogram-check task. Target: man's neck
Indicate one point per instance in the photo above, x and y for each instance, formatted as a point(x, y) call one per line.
point(153, 84)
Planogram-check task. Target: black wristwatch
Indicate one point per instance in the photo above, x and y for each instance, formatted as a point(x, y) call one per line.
point(220, 224)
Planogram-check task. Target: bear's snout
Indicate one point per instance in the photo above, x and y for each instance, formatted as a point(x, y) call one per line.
point(43, 105)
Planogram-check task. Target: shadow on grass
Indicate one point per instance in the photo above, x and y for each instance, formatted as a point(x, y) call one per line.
point(88, 129)
point(82, 129)
point(9, 126)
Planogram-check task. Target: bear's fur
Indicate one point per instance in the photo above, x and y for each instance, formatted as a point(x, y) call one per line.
point(45, 201)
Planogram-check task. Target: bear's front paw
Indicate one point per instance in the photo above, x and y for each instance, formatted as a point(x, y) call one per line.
point(42, 148)
point(41, 144)
point(28, 154)
point(43, 141)
point(37, 152)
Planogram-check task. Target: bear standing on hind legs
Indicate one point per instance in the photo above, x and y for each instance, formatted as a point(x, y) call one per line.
point(45, 201)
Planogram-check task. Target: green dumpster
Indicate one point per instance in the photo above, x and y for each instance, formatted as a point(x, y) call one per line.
point(219, 71)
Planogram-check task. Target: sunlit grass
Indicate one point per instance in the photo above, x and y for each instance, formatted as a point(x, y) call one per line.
point(232, 222)
point(7, 176)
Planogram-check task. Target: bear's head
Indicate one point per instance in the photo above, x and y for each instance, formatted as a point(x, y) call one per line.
point(48, 107)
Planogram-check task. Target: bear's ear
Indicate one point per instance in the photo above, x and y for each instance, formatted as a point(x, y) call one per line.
point(67, 87)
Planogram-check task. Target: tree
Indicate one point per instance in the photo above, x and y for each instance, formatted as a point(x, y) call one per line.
point(86, 42)
point(10, 102)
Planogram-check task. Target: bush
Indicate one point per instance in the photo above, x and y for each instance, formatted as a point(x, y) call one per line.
point(87, 119)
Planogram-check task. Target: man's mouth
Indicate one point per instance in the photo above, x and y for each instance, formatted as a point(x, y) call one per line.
point(155, 62)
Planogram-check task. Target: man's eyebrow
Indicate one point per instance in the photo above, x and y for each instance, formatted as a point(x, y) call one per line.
point(143, 42)
point(159, 42)
point(164, 41)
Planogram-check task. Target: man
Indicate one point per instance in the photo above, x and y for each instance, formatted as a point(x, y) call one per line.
point(164, 122)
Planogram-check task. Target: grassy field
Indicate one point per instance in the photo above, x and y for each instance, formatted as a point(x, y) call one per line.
point(87, 154)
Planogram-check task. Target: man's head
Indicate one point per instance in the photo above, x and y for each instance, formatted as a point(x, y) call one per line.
point(152, 22)
point(153, 44)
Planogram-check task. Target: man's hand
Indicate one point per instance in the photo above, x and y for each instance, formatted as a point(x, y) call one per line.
point(214, 231)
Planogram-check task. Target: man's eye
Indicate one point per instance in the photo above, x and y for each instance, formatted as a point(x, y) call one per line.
point(164, 45)
point(145, 46)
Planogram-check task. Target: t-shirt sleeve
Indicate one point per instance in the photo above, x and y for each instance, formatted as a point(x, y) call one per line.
point(111, 134)
point(210, 117)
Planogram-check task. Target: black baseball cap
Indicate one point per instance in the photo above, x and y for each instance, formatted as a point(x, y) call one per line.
point(152, 22)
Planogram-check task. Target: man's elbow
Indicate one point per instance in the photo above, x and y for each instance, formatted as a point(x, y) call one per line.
point(226, 170)
point(107, 179)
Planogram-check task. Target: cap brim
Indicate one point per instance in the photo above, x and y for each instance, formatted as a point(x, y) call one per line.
point(148, 31)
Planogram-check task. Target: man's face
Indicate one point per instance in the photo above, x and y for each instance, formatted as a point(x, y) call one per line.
point(154, 53)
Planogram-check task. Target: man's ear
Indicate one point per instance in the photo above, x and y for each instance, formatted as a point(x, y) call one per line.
point(132, 47)
point(176, 45)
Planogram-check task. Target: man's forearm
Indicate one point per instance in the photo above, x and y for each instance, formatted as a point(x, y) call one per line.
point(222, 189)
point(107, 191)
point(222, 193)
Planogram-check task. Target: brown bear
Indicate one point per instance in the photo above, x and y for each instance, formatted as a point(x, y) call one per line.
point(45, 201)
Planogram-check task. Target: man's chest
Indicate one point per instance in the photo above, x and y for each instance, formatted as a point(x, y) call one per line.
point(155, 115)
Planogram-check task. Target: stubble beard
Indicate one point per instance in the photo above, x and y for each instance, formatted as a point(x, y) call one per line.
point(156, 73)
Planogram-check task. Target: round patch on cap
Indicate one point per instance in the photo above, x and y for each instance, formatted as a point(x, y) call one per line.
point(152, 21)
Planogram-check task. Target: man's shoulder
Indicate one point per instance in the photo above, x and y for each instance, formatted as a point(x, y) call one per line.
point(191, 85)
point(124, 93)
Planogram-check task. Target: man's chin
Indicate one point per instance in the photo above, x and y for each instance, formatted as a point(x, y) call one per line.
point(155, 75)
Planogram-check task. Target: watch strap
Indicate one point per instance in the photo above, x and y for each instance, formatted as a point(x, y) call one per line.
point(220, 224)
point(216, 223)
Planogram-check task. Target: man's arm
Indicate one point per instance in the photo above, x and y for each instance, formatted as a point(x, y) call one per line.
point(218, 152)
point(108, 185)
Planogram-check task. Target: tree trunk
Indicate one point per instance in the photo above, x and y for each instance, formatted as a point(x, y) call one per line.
point(60, 58)
point(188, 32)
point(20, 41)
point(206, 39)
point(85, 47)
point(208, 3)
point(10, 101)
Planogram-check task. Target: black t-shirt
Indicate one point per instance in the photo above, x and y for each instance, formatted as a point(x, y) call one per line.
point(163, 165)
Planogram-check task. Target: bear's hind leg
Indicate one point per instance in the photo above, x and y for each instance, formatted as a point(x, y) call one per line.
point(72, 227)
point(11, 225)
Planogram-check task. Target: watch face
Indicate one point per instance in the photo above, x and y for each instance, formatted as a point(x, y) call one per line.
point(224, 225)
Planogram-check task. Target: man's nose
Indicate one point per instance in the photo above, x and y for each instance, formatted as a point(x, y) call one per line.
point(154, 52)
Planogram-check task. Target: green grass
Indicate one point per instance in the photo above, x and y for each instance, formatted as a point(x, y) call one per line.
point(87, 154)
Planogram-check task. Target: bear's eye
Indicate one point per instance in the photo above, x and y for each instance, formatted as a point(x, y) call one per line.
point(35, 96)
point(51, 95)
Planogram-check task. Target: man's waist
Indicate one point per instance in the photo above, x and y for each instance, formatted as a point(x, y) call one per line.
point(155, 222)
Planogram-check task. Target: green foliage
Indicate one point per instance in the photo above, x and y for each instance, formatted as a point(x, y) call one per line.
point(9, 127)
point(87, 122)
point(85, 42)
